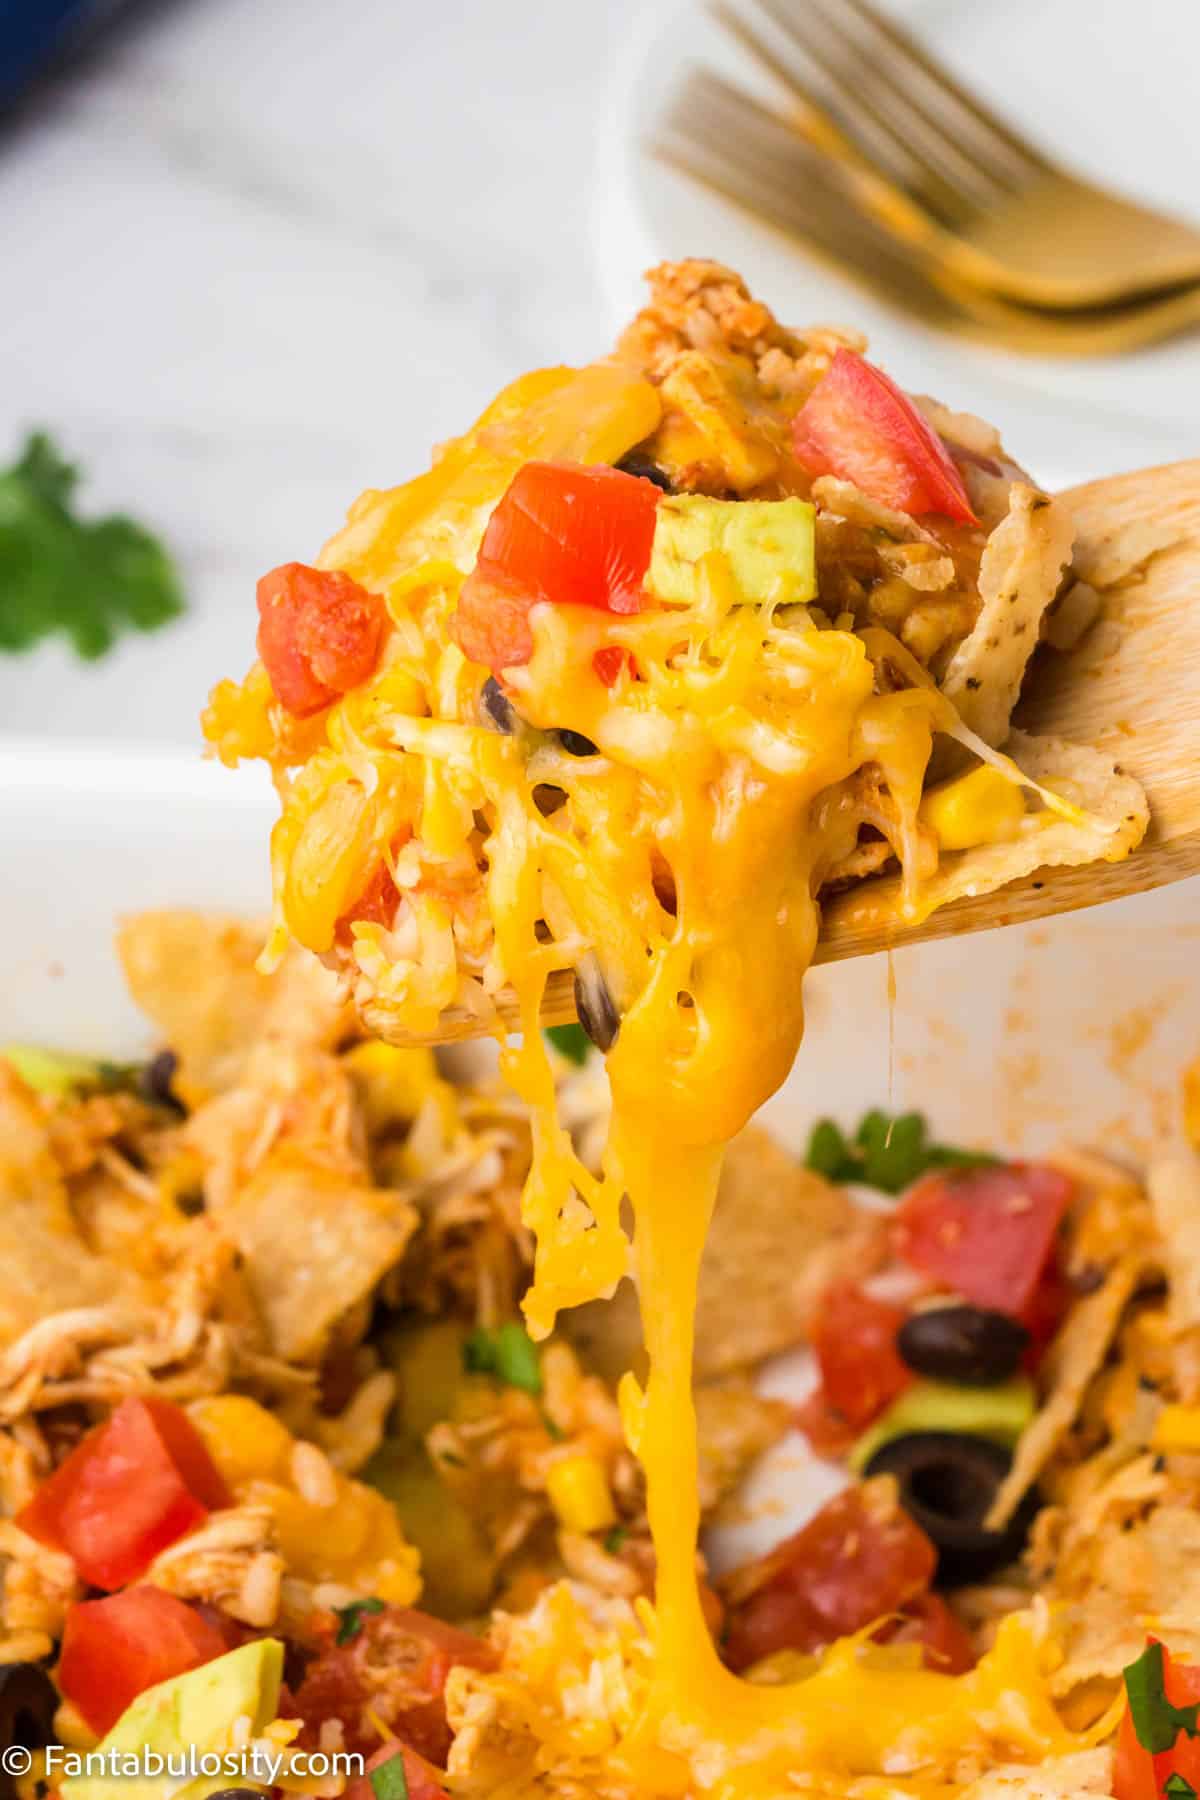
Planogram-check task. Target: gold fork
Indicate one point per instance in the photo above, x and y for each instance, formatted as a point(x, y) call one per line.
point(941, 170)
point(722, 136)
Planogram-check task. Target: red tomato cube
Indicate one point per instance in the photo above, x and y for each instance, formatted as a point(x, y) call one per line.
point(859, 1559)
point(564, 533)
point(319, 635)
point(1141, 1774)
point(987, 1233)
point(854, 1337)
point(857, 424)
point(421, 1780)
point(130, 1488)
point(116, 1648)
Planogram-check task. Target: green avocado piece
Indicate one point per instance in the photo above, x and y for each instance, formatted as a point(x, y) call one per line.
point(769, 544)
point(58, 1072)
point(1000, 1413)
point(200, 1710)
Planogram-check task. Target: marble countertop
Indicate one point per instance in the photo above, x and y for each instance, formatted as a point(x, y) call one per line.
point(260, 255)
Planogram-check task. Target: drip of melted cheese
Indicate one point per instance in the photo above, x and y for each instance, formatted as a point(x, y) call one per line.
point(727, 761)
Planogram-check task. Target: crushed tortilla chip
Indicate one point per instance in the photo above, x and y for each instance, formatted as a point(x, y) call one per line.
point(1071, 1361)
point(1174, 1187)
point(1019, 576)
point(1076, 1777)
point(315, 1242)
point(194, 974)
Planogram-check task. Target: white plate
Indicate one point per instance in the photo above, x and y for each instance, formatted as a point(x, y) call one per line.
point(1111, 98)
point(1016, 1039)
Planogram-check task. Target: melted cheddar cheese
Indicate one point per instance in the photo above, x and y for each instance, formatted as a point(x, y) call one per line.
point(684, 860)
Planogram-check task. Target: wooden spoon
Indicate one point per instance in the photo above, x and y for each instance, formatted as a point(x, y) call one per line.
point(1130, 688)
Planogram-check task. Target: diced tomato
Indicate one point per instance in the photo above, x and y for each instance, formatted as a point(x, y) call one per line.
point(859, 425)
point(116, 1648)
point(609, 662)
point(423, 1781)
point(566, 533)
point(1046, 1310)
point(1140, 1774)
point(319, 635)
point(854, 1337)
point(130, 1488)
point(929, 1622)
point(987, 1232)
point(859, 1559)
point(826, 1430)
point(393, 1670)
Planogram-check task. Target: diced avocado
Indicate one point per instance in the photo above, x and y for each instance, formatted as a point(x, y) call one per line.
point(58, 1072)
point(196, 1711)
point(769, 546)
point(1000, 1413)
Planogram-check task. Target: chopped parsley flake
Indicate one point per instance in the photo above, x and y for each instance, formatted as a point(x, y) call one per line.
point(571, 1041)
point(886, 1152)
point(508, 1353)
point(1155, 1721)
point(350, 1618)
point(389, 1781)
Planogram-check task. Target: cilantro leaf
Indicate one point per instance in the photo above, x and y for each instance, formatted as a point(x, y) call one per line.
point(571, 1041)
point(350, 1618)
point(886, 1152)
point(1155, 1721)
point(87, 578)
point(389, 1781)
point(508, 1353)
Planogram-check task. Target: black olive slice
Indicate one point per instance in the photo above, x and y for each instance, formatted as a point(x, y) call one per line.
point(594, 1005)
point(28, 1703)
point(637, 463)
point(967, 1344)
point(496, 707)
point(947, 1484)
point(575, 744)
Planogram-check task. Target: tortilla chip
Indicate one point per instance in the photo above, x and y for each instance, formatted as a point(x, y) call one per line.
point(1073, 1358)
point(734, 1426)
point(48, 1265)
point(779, 1236)
point(314, 1242)
point(1076, 1777)
point(1112, 822)
point(1174, 1188)
point(1019, 576)
point(193, 973)
point(1131, 1581)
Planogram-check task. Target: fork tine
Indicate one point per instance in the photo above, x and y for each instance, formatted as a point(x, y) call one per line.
point(902, 148)
point(721, 136)
point(936, 170)
point(1024, 156)
point(827, 121)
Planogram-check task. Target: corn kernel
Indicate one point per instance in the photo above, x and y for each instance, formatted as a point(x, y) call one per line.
point(984, 807)
point(580, 1495)
point(395, 1083)
point(1191, 1103)
point(244, 1440)
point(1177, 1428)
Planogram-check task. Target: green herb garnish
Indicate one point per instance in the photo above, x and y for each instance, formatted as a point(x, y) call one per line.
point(508, 1353)
point(350, 1618)
point(886, 1152)
point(88, 578)
point(59, 1072)
point(1178, 1787)
point(615, 1538)
point(571, 1041)
point(1155, 1721)
point(389, 1781)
